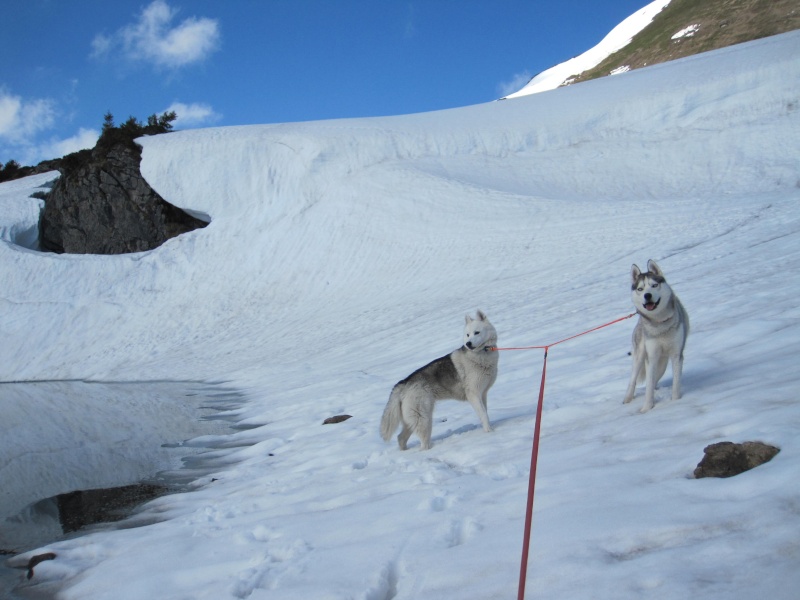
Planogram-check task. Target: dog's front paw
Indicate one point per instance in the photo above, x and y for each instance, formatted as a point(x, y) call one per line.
point(645, 408)
point(627, 399)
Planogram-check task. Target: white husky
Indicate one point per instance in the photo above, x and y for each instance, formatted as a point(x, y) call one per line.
point(659, 336)
point(464, 374)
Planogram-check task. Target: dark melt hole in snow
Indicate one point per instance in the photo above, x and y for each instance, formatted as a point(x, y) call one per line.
point(101, 450)
point(80, 509)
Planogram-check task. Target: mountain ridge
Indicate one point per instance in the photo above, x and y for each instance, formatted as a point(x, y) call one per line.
point(706, 25)
point(681, 28)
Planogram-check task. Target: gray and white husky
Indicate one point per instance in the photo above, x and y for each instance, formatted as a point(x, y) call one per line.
point(659, 336)
point(464, 374)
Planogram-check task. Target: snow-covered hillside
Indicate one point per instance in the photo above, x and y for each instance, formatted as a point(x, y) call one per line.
point(617, 38)
point(344, 254)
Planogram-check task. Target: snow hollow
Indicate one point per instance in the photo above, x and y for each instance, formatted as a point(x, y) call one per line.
point(342, 255)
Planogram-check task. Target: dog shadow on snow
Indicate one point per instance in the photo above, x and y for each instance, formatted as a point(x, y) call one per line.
point(497, 425)
point(448, 433)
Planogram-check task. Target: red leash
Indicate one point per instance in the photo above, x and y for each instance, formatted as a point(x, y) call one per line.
point(526, 542)
point(523, 569)
point(572, 337)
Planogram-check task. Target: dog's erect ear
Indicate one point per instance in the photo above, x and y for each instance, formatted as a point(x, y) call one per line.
point(481, 316)
point(635, 272)
point(653, 268)
point(467, 319)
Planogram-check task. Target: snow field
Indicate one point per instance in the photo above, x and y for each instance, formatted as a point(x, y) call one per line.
point(342, 255)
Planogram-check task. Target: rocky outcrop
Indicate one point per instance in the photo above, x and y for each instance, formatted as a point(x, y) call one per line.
point(101, 204)
point(727, 459)
point(336, 419)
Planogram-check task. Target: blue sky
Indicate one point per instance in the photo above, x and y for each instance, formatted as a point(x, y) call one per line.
point(65, 63)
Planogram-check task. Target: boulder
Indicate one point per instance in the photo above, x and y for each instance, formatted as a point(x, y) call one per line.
point(101, 204)
point(726, 459)
point(336, 419)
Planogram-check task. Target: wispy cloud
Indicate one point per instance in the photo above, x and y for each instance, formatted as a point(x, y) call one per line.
point(22, 119)
point(154, 38)
point(23, 124)
point(54, 148)
point(410, 28)
point(193, 115)
point(515, 84)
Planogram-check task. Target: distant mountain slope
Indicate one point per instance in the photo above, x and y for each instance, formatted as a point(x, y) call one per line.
point(687, 27)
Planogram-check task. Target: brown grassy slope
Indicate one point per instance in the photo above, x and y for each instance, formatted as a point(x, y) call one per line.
point(722, 23)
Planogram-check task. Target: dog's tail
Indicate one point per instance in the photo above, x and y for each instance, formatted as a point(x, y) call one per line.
point(391, 415)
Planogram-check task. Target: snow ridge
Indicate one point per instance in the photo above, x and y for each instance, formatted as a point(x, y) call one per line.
point(617, 38)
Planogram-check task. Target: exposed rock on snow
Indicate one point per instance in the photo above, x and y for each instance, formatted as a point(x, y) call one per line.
point(336, 419)
point(727, 459)
point(103, 205)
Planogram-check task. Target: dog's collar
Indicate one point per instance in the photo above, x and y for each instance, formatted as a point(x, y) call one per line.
point(481, 349)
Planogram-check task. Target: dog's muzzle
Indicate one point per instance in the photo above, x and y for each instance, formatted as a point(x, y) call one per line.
point(649, 305)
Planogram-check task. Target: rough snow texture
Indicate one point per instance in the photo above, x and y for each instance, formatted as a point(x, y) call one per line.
point(343, 254)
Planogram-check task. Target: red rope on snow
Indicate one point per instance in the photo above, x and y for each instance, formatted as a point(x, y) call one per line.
point(572, 337)
point(526, 541)
point(523, 569)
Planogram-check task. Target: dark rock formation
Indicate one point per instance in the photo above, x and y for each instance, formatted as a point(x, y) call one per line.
point(336, 419)
point(727, 459)
point(101, 204)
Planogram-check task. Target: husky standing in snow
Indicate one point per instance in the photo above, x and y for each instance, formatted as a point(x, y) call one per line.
point(464, 374)
point(659, 336)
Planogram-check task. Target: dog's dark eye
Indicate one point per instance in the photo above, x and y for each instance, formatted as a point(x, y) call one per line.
point(477, 333)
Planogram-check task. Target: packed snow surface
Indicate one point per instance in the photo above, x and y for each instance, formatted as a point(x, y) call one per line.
point(342, 255)
point(617, 38)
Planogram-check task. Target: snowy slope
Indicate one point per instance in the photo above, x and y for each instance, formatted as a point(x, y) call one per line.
point(617, 38)
point(343, 254)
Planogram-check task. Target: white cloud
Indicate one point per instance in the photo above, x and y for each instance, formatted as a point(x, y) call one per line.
point(516, 83)
point(152, 38)
point(101, 44)
point(85, 138)
point(32, 152)
point(21, 119)
point(21, 123)
point(9, 111)
point(192, 115)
